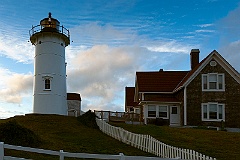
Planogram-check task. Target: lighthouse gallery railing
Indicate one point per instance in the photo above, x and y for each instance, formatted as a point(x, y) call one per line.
point(39, 28)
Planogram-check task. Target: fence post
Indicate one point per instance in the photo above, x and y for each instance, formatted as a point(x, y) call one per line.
point(1, 150)
point(122, 157)
point(61, 155)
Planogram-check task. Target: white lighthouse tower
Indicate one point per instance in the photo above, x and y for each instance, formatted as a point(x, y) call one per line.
point(49, 87)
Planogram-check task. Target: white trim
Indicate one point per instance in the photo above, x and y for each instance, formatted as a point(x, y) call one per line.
point(145, 113)
point(217, 81)
point(220, 60)
point(142, 96)
point(213, 63)
point(185, 106)
point(156, 110)
point(174, 117)
point(213, 120)
point(158, 106)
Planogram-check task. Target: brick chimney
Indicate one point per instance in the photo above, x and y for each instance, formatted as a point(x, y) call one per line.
point(194, 55)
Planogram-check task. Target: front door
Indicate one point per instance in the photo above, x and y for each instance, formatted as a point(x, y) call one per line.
point(174, 116)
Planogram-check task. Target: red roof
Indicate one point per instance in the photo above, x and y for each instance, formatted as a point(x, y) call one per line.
point(161, 81)
point(129, 93)
point(192, 72)
point(161, 97)
point(73, 96)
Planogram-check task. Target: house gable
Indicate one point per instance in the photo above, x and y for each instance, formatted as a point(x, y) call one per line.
point(214, 55)
point(227, 97)
point(129, 99)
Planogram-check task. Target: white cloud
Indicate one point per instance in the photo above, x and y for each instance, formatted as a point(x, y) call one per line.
point(205, 25)
point(231, 53)
point(171, 46)
point(103, 60)
point(205, 31)
point(15, 48)
point(14, 86)
point(7, 113)
point(96, 34)
point(229, 38)
point(101, 73)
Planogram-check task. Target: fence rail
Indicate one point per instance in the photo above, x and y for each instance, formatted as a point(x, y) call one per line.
point(117, 116)
point(63, 154)
point(149, 144)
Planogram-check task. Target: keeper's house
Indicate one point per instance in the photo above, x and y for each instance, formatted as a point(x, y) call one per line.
point(208, 94)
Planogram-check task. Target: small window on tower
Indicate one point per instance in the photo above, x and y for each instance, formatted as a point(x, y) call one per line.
point(47, 84)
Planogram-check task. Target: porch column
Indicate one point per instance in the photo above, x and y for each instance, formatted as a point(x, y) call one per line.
point(145, 113)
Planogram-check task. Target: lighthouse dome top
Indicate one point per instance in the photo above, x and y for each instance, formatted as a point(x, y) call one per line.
point(49, 25)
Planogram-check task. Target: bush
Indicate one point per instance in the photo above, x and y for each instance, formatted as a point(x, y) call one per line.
point(88, 119)
point(13, 133)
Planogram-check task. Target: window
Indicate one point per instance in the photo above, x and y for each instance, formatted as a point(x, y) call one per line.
point(151, 111)
point(47, 84)
point(163, 111)
point(213, 112)
point(174, 110)
point(213, 82)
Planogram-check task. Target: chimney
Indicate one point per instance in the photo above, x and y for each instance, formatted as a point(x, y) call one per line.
point(194, 55)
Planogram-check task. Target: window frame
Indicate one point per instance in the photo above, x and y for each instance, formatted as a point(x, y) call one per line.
point(167, 111)
point(219, 82)
point(152, 111)
point(49, 79)
point(47, 84)
point(157, 111)
point(206, 115)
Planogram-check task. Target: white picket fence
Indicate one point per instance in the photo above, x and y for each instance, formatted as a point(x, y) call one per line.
point(149, 144)
point(61, 154)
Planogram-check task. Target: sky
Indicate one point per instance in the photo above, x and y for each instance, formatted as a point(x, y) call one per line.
point(110, 41)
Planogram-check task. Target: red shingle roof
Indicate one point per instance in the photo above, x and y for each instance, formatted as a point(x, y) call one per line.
point(129, 92)
point(162, 81)
point(192, 71)
point(73, 96)
point(161, 97)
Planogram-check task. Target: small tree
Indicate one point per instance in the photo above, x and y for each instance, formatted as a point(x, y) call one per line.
point(88, 119)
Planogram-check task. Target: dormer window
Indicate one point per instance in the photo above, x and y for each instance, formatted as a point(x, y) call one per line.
point(213, 82)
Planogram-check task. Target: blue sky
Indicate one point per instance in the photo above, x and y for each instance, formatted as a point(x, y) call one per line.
point(111, 41)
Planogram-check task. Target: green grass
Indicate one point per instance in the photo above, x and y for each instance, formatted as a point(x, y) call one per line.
point(219, 144)
point(68, 134)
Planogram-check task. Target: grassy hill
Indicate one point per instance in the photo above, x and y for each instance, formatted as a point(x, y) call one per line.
point(219, 144)
point(68, 134)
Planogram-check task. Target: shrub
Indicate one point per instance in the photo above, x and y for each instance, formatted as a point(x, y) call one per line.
point(88, 119)
point(13, 133)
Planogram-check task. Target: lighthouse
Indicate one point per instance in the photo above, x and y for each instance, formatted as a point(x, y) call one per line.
point(49, 84)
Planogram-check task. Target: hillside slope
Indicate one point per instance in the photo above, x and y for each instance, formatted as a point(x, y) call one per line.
point(68, 134)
